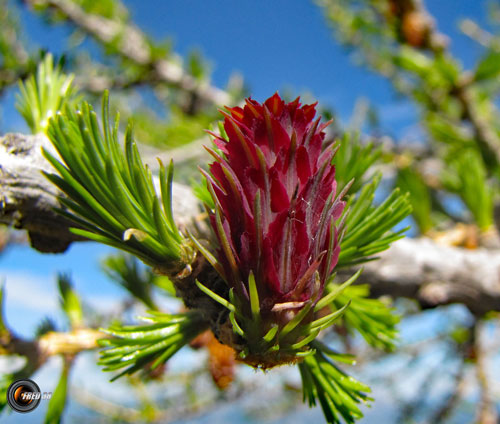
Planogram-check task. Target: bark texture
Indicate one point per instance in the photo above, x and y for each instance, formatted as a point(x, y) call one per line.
point(28, 199)
point(419, 269)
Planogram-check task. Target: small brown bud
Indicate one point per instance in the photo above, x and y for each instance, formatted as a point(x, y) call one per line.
point(415, 27)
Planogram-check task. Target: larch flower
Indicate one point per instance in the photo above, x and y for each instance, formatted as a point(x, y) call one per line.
point(275, 218)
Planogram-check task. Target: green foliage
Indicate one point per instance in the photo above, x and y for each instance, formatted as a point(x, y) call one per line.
point(57, 402)
point(46, 325)
point(337, 393)
point(372, 318)
point(111, 193)
point(488, 67)
point(461, 334)
point(69, 300)
point(43, 95)
point(5, 382)
point(413, 61)
point(368, 227)
point(136, 346)
point(438, 73)
point(3, 326)
point(289, 339)
point(447, 131)
point(111, 9)
point(139, 282)
point(11, 55)
point(176, 130)
point(124, 269)
point(409, 180)
point(466, 176)
point(352, 160)
point(202, 193)
point(197, 66)
point(112, 198)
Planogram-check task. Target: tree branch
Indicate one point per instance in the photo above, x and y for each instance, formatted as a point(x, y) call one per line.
point(485, 135)
point(419, 269)
point(435, 275)
point(133, 44)
point(483, 131)
point(15, 59)
point(28, 199)
point(38, 350)
point(487, 413)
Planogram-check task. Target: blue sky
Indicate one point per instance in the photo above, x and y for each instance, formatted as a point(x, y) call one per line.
point(275, 45)
point(287, 44)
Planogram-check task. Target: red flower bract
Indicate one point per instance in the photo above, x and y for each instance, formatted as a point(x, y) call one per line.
point(275, 207)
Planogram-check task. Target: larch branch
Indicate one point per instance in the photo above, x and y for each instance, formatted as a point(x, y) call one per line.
point(420, 269)
point(133, 45)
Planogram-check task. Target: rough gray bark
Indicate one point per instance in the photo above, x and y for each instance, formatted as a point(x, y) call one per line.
point(132, 43)
point(419, 269)
point(28, 199)
point(435, 275)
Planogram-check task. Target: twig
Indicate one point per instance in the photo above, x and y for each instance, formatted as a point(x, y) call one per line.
point(460, 382)
point(419, 269)
point(474, 31)
point(132, 44)
point(105, 407)
point(437, 275)
point(487, 412)
point(10, 36)
point(70, 343)
point(28, 199)
point(485, 135)
point(38, 351)
point(452, 402)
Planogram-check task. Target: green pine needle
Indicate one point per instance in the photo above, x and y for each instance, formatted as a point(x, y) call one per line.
point(466, 175)
point(131, 348)
point(372, 318)
point(202, 193)
point(338, 394)
point(57, 402)
point(3, 326)
point(110, 193)
point(409, 179)
point(216, 297)
point(335, 291)
point(352, 160)
point(368, 228)
point(43, 95)
point(126, 271)
point(70, 301)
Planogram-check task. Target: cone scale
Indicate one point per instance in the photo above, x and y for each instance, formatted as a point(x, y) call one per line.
point(275, 217)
